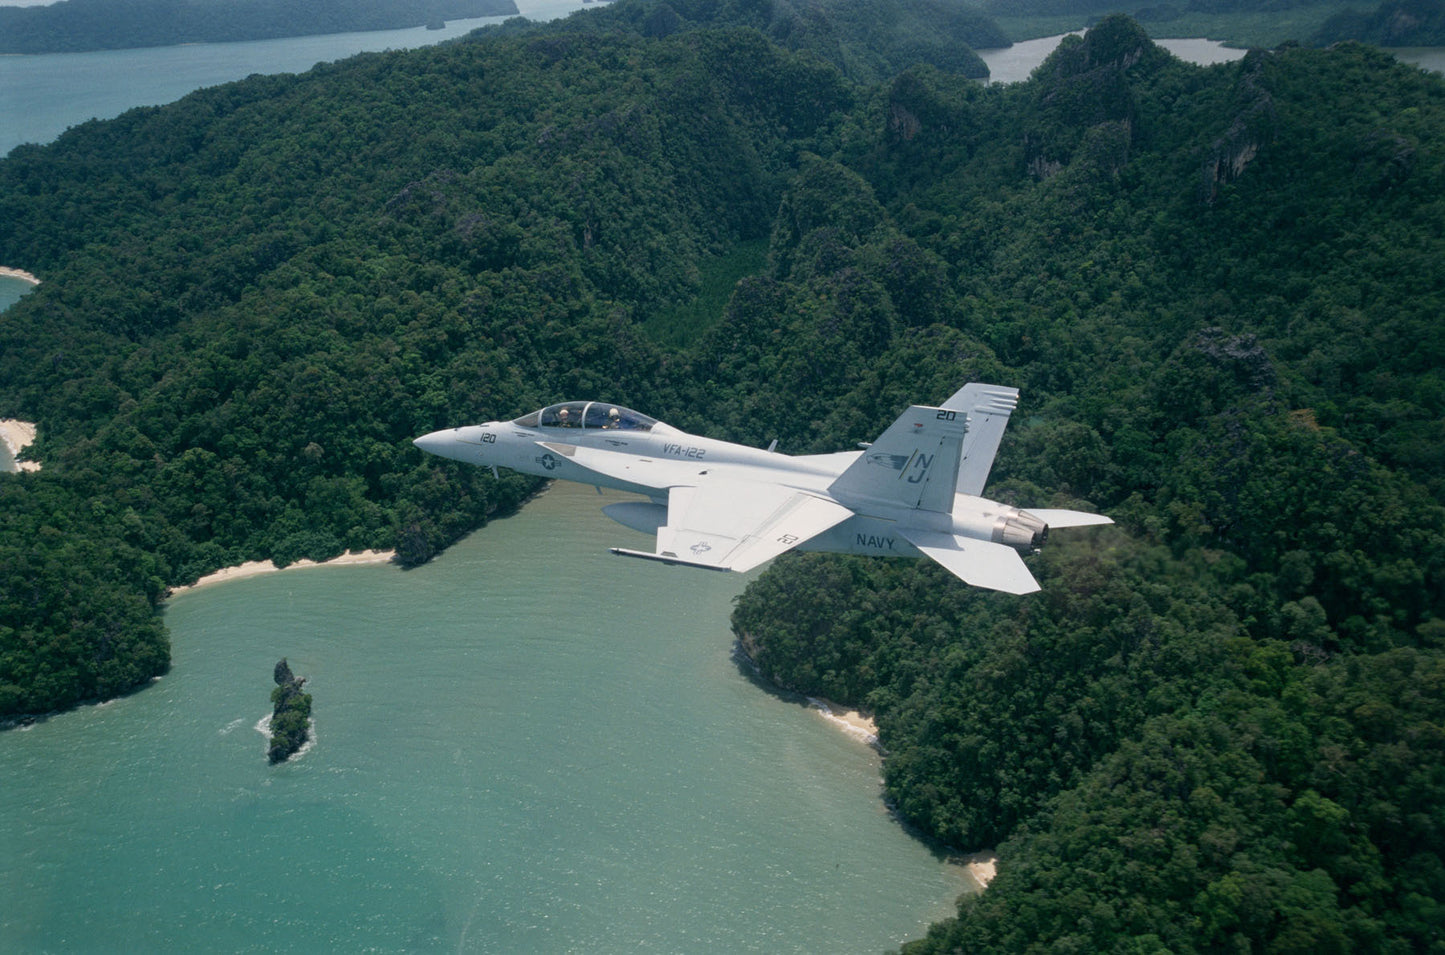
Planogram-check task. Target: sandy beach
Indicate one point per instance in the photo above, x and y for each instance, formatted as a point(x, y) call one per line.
point(854, 722)
point(982, 867)
point(18, 435)
point(21, 274)
point(255, 567)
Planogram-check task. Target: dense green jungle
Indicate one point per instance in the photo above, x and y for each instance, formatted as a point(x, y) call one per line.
point(1221, 724)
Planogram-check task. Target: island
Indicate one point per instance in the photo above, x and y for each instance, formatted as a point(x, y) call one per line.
point(291, 717)
point(78, 26)
point(1392, 23)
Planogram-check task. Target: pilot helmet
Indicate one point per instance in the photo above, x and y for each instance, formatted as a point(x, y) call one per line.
point(613, 413)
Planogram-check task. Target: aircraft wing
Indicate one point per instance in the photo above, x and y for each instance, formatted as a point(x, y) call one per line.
point(727, 524)
point(980, 563)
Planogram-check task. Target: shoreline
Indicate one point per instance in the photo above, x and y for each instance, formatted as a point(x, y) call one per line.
point(18, 435)
point(980, 866)
point(255, 568)
point(7, 272)
point(855, 723)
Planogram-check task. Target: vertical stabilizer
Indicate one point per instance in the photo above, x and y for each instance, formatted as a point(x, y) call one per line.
point(913, 464)
point(988, 408)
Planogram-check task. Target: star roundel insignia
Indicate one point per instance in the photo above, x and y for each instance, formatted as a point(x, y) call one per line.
point(700, 548)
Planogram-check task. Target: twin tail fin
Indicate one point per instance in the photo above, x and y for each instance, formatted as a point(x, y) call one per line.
point(914, 464)
point(929, 454)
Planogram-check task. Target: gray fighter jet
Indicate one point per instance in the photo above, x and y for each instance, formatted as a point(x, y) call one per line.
point(914, 492)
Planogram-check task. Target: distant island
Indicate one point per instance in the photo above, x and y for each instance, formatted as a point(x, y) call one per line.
point(1393, 23)
point(76, 26)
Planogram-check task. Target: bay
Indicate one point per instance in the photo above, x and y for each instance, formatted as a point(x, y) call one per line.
point(41, 96)
point(1014, 64)
point(1430, 58)
point(525, 745)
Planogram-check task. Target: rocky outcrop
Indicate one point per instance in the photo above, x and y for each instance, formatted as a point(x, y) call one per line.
point(1251, 129)
point(1086, 98)
point(291, 715)
point(1241, 356)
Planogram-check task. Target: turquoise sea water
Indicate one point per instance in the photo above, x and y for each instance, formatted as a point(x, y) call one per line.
point(11, 290)
point(528, 745)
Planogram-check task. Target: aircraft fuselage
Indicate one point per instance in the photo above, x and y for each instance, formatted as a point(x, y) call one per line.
point(664, 455)
point(726, 506)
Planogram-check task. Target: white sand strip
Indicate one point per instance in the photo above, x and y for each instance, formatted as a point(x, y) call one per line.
point(21, 274)
point(255, 567)
point(17, 436)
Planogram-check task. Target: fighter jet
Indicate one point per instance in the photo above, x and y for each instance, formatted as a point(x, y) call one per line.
point(914, 492)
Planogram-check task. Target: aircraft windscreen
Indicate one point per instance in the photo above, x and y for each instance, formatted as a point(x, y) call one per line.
point(598, 415)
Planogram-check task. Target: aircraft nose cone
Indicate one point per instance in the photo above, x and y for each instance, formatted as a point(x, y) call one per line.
point(438, 442)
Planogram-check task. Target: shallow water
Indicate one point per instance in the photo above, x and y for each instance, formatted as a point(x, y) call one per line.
point(526, 745)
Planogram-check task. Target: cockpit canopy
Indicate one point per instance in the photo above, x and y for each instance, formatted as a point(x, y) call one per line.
point(597, 415)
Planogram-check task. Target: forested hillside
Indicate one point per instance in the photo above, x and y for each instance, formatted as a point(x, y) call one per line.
point(1219, 726)
point(868, 41)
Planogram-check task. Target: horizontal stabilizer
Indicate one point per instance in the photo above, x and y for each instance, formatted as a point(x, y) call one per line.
point(1060, 518)
point(980, 563)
